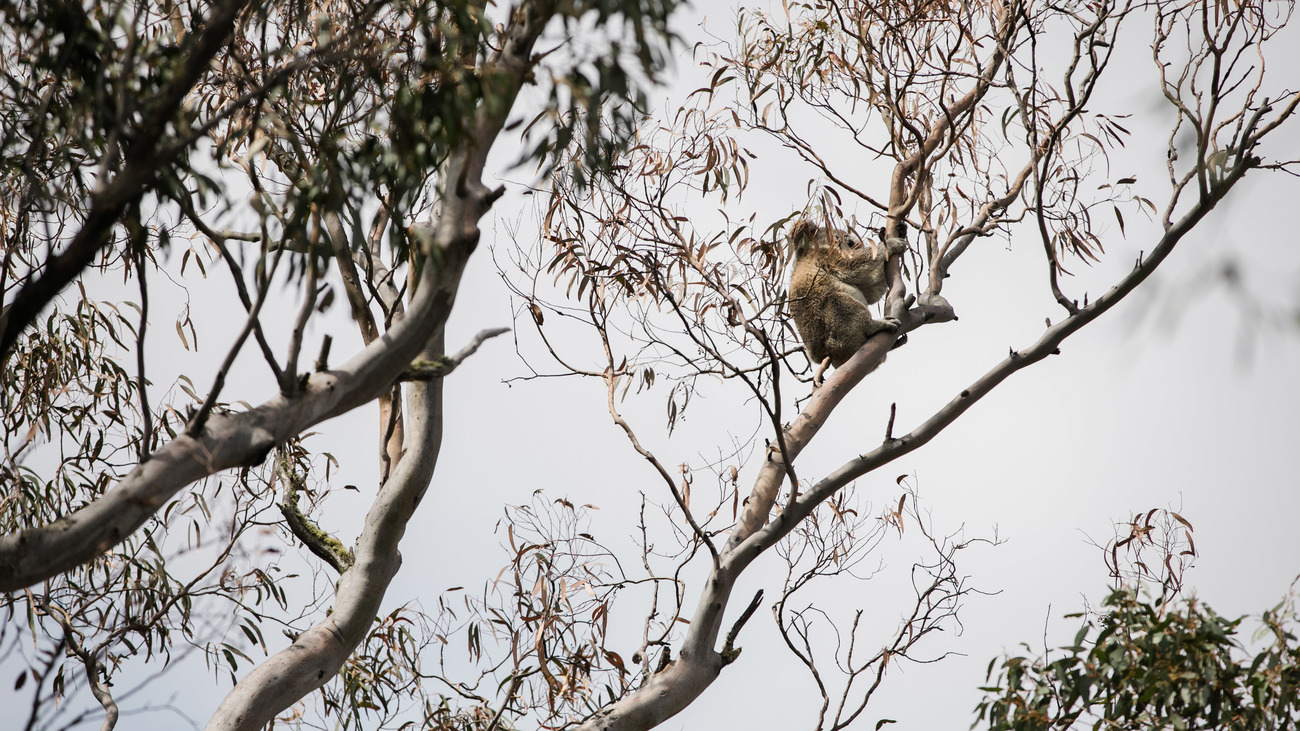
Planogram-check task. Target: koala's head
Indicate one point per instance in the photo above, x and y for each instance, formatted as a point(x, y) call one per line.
point(809, 238)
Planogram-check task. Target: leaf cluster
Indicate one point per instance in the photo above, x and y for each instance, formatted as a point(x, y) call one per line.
point(1152, 665)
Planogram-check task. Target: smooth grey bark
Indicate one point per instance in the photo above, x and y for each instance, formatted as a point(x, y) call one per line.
point(316, 655)
point(236, 440)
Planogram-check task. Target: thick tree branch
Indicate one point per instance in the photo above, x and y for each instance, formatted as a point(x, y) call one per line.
point(1048, 344)
point(234, 440)
point(698, 663)
point(317, 654)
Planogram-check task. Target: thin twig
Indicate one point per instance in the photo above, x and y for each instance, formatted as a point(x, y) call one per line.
point(729, 650)
point(428, 370)
point(142, 383)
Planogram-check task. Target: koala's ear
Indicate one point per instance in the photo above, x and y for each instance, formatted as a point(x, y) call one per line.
point(802, 234)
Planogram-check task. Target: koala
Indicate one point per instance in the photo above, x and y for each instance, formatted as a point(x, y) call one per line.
point(835, 278)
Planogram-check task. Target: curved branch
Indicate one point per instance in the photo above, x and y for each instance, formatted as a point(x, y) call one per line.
point(901, 197)
point(697, 664)
point(326, 547)
point(234, 440)
point(443, 365)
point(317, 654)
point(90, 661)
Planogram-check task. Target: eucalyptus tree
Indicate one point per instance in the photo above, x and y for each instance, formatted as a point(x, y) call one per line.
point(304, 148)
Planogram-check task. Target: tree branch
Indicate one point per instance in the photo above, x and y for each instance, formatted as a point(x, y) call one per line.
point(697, 663)
point(1048, 344)
point(729, 650)
point(246, 438)
point(326, 547)
point(442, 366)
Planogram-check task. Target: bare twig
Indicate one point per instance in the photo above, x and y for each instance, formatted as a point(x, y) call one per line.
point(421, 370)
point(729, 650)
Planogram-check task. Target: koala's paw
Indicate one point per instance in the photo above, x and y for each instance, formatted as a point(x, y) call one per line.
point(819, 376)
point(886, 324)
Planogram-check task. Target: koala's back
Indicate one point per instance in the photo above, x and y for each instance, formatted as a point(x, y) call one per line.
point(832, 315)
point(835, 279)
point(866, 273)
